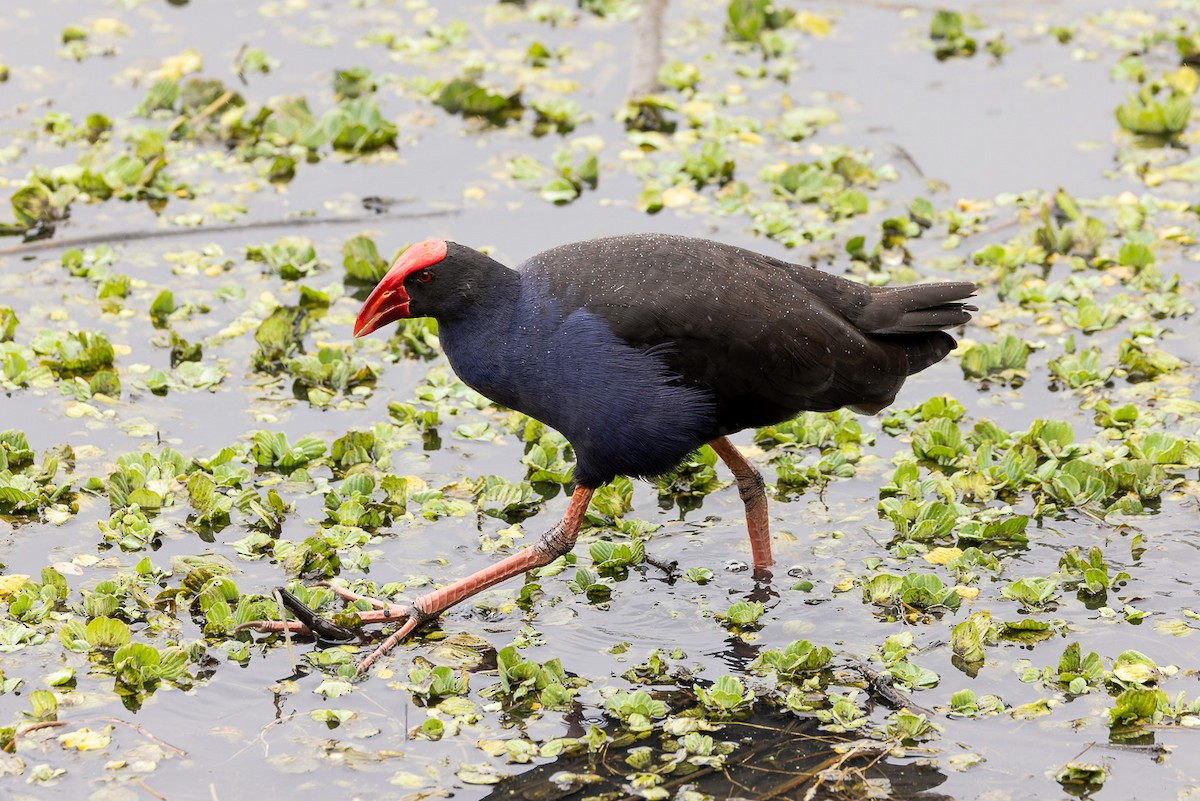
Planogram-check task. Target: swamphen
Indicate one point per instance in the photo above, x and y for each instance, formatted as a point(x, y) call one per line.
point(641, 348)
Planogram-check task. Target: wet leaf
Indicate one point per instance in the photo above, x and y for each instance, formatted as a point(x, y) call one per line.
point(362, 261)
point(356, 125)
point(470, 99)
point(86, 739)
point(107, 633)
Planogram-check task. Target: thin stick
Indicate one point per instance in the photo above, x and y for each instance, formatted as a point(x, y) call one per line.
point(171, 233)
point(157, 740)
point(207, 111)
point(32, 727)
point(1086, 748)
point(143, 785)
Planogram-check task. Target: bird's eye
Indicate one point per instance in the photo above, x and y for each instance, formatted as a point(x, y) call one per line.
point(424, 276)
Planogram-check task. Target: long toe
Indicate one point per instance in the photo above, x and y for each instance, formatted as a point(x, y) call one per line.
point(391, 642)
point(273, 626)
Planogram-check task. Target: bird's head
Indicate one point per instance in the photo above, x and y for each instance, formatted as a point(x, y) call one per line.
point(392, 298)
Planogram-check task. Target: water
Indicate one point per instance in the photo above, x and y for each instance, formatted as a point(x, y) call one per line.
point(1038, 119)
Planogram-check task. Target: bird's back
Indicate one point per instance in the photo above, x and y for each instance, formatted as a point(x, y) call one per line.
point(766, 338)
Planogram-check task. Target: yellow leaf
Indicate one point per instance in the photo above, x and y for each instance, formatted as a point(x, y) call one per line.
point(86, 740)
point(110, 26)
point(562, 86)
point(678, 196)
point(1185, 79)
point(813, 24)
point(940, 556)
point(10, 584)
point(592, 144)
point(175, 67)
point(967, 593)
point(491, 747)
point(78, 409)
point(1034, 709)
point(1174, 627)
point(480, 773)
point(411, 780)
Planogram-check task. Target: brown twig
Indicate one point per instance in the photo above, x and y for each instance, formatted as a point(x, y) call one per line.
point(1086, 748)
point(170, 233)
point(144, 786)
point(206, 112)
point(241, 67)
point(156, 740)
point(32, 727)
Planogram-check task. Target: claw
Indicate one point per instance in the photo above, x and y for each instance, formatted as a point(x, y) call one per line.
point(322, 627)
point(311, 623)
point(414, 620)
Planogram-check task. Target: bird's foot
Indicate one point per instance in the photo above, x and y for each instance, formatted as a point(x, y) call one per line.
point(310, 622)
point(307, 622)
point(383, 612)
point(274, 627)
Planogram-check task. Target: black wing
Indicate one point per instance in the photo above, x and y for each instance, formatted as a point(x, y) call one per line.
point(767, 338)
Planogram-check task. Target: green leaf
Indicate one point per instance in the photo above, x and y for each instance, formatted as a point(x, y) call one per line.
point(469, 99)
point(279, 337)
point(162, 307)
point(8, 324)
point(107, 633)
point(357, 125)
point(968, 637)
point(43, 705)
point(362, 261)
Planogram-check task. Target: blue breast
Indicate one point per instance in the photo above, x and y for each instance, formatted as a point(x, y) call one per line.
point(618, 405)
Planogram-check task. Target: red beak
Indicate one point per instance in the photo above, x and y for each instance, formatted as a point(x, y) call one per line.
point(388, 302)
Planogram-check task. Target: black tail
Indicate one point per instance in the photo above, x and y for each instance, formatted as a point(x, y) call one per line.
point(919, 309)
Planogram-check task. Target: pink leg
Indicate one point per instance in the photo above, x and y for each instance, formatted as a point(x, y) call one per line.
point(553, 544)
point(753, 491)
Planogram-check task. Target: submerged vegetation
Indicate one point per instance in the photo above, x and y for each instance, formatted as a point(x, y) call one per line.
point(188, 423)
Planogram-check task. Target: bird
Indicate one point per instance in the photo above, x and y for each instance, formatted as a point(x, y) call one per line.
point(640, 349)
